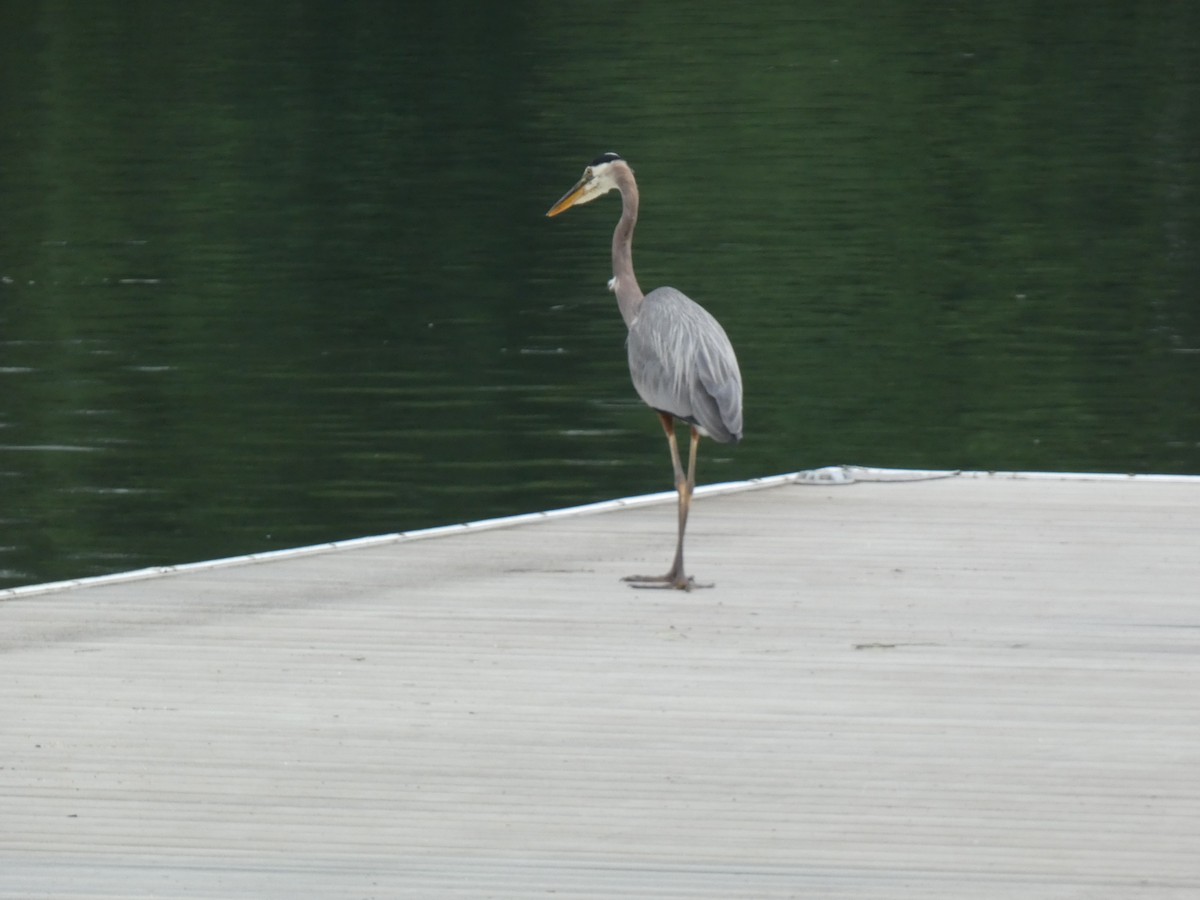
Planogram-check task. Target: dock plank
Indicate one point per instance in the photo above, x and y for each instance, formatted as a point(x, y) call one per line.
point(961, 687)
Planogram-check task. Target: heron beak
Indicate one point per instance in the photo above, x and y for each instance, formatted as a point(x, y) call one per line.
point(569, 199)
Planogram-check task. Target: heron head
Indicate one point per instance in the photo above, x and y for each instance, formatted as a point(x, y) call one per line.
point(598, 179)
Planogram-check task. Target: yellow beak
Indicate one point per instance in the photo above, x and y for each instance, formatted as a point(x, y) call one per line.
point(568, 199)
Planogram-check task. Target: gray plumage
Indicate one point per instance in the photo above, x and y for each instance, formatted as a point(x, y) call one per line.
point(682, 363)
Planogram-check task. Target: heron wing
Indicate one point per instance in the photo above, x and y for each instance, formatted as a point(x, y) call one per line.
point(682, 363)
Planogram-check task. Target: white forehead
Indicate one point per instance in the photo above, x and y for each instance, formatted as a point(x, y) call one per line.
point(601, 171)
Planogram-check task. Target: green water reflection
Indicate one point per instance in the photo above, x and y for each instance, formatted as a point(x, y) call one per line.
point(279, 273)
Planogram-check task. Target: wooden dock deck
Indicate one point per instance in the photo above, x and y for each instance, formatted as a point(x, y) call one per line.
point(964, 687)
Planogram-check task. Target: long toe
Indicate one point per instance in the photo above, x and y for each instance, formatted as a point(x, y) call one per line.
point(664, 582)
point(659, 582)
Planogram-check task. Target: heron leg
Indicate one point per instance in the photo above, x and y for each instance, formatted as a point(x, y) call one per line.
point(685, 483)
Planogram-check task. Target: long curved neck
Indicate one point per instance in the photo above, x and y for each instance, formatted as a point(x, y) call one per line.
point(629, 295)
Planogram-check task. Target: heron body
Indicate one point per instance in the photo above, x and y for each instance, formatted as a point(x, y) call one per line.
point(680, 359)
point(682, 363)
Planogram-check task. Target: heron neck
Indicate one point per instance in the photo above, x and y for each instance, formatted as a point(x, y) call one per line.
point(629, 295)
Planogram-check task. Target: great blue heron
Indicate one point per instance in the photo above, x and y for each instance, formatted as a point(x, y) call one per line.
point(680, 358)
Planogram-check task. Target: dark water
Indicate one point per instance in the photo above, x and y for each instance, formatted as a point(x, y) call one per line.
point(279, 273)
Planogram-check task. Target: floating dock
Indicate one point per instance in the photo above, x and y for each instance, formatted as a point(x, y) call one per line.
point(925, 685)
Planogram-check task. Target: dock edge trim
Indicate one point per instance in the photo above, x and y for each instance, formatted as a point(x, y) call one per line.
point(825, 476)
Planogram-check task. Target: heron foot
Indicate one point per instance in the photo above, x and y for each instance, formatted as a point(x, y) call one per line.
point(664, 582)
